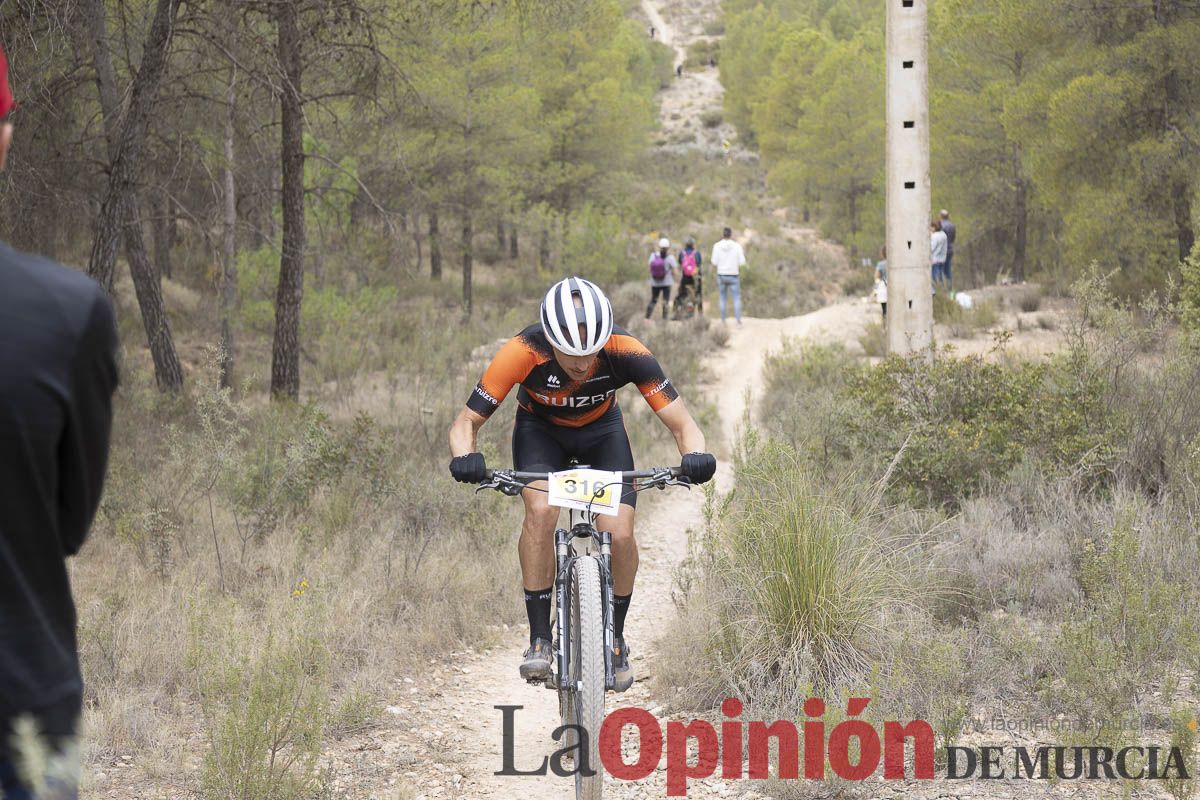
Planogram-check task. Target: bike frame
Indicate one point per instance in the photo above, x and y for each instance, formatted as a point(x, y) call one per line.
point(583, 526)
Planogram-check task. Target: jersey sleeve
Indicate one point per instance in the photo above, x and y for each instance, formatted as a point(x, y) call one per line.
point(642, 369)
point(509, 367)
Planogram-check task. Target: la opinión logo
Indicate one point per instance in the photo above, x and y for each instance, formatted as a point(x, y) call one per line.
point(742, 751)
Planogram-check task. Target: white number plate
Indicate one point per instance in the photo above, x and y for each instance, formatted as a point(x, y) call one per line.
point(586, 488)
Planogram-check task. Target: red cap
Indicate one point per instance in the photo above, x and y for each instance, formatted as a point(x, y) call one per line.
point(6, 97)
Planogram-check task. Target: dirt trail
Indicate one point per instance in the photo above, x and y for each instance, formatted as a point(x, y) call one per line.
point(447, 742)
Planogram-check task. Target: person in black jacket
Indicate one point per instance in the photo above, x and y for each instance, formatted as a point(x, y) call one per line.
point(58, 372)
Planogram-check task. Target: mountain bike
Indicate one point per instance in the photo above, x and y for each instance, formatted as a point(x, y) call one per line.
point(583, 593)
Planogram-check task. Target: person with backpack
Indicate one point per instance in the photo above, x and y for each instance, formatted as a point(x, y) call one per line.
point(662, 276)
point(689, 276)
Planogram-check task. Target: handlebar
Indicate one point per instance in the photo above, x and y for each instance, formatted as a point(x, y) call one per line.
point(511, 482)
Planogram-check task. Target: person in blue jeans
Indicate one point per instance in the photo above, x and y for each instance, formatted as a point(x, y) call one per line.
point(948, 228)
point(728, 258)
point(937, 255)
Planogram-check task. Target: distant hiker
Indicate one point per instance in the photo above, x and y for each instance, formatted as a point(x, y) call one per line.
point(937, 254)
point(881, 280)
point(948, 229)
point(712, 62)
point(651, 31)
point(662, 276)
point(679, 70)
point(58, 372)
point(728, 258)
point(690, 260)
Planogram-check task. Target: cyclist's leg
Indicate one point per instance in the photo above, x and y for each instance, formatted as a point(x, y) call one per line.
point(536, 449)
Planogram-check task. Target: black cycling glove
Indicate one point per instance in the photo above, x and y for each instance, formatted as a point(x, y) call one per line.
point(469, 468)
point(698, 467)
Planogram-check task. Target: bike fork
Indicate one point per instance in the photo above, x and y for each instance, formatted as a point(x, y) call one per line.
point(606, 589)
point(562, 549)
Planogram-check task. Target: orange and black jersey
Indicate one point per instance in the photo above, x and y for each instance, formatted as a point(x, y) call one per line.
point(528, 360)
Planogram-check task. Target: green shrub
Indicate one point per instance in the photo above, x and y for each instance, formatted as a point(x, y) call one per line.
point(1183, 736)
point(1118, 649)
point(1030, 299)
point(266, 702)
point(963, 322)
point(961, 419)
point(812, 566)
point(805, 403)
point(1189, 293)
point(711, 119)
point(858, 283)
point(874, 339)
point(699, 53)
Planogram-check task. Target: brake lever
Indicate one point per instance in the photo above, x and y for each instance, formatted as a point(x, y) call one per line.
point(503, 484)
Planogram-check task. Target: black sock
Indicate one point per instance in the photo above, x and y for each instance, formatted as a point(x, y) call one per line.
point(537, 607)
point(620, 609)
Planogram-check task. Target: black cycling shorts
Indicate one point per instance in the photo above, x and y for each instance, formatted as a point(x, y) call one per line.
point(542, 446)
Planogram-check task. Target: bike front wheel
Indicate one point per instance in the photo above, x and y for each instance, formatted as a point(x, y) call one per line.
point(585, 704)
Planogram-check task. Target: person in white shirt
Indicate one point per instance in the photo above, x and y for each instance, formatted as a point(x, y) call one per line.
point(728, 258)
point(938, 245)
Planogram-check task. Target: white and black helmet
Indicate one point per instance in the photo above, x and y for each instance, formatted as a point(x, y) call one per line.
point(577, 330)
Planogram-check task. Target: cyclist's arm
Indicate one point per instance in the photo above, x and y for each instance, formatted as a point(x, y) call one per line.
point(688, 436)
point(463, 432)
point(509, 367)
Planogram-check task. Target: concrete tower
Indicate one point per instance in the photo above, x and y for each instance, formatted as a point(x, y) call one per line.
point(910, 305)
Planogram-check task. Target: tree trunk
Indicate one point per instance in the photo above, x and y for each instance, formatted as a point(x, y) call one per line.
point(285, 352)
point(435, 248)
point(467, 261)
point(513, 250)
point(229, 246)
point(417, 238)
point(544, 249)
point(1022, 229)
point(167, 371)
point(1181, 200)
point(126, 139)
point(160, 227)
point(501, 244)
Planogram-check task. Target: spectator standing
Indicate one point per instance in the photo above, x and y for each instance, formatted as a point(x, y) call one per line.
point(881, 280)
point(937, 254)
point(690, 262)
point(58, 372)
point(948, 229)
point(662, 276)
point(728, 258)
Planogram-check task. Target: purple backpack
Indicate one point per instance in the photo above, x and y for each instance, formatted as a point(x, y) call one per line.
point(658, 267)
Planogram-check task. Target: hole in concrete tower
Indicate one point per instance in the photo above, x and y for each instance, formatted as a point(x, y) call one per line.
point(910, 303)
point(910, 184)
point(908, 123)
point(906, 64)
point(906, 3)
point(910, 245)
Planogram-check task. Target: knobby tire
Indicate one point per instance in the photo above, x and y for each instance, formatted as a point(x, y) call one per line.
point(587, 670)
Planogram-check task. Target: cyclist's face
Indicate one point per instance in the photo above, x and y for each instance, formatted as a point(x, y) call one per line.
point(576, 367)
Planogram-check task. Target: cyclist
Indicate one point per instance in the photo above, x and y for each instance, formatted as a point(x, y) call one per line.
point(569, 368)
